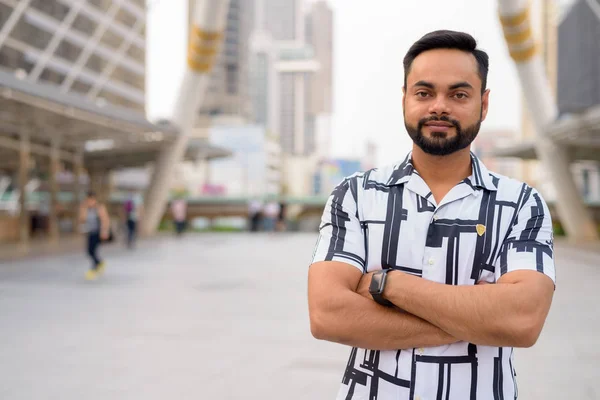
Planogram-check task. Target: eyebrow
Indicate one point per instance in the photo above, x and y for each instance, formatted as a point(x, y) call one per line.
point(425, 84)
point(454, 86)
point(459, 85)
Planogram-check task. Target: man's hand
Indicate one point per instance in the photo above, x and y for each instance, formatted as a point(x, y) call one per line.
point(104, 235)
point(363, 286)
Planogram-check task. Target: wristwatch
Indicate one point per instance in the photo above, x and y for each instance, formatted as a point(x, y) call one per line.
point(377, 286)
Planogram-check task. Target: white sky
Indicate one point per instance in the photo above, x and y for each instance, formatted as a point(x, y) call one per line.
point(370, 41)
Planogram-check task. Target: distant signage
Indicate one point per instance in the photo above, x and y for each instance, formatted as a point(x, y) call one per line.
point(213, 190)
point(333, 171)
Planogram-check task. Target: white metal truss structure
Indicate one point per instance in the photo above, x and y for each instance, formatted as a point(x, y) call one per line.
point(112, 37)
point(206, 36)
point(515, 19)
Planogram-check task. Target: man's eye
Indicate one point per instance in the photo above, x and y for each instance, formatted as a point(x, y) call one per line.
point(460, 96)
point(422, 94)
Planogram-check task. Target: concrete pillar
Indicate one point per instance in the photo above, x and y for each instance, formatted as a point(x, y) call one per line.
point(53, 220)
point(207, 170)
point(109, 187)
point(77, 188)
point(206, 35)
point(97, 185)
point(574, 216)
point(24, 162)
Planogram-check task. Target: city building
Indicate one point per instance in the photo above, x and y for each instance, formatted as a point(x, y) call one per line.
point(369, 160)
point(291, 90)
point(283, 19)
point(578, 85)
point(319, 35)
point(485, 144)
point(264, 81)
point(569, 44)
point(295, 65)
point(93, 48)
point(331, 172)
point(280, 45)
point(228, 91)
point(72, 108)
point(253, 170)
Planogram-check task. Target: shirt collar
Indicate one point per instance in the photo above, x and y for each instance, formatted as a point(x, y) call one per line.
point(402, 172)
point(480, 177)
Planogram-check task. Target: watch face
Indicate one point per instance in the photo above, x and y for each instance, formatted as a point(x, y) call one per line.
point(376, 282)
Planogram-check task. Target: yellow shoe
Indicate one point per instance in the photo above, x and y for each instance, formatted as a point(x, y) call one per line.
point(100, 268)
point(91, 275)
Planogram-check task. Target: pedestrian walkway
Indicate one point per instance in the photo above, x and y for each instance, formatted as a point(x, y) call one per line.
point(224, 316)
point(40, 247)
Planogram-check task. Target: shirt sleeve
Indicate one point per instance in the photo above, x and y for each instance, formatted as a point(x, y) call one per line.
point(530, 243)
point(341, 237)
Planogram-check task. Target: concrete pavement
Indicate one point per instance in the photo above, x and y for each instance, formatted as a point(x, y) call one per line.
point(224, 316)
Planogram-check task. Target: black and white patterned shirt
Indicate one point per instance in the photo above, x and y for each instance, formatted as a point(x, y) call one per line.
point(486, 226)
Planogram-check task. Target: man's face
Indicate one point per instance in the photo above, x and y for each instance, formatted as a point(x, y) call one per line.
point(443, 105)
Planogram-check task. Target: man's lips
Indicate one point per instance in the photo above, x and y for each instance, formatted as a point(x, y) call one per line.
point(439, 124)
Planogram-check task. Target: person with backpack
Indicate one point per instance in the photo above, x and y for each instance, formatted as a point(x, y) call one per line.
point(95, 222)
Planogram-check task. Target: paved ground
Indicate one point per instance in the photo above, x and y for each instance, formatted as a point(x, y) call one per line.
point(224, 316)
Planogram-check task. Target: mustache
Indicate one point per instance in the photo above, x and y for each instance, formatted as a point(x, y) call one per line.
point(443, 118)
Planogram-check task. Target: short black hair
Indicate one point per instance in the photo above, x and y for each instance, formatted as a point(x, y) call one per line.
point(445, 39)
point(91, 194)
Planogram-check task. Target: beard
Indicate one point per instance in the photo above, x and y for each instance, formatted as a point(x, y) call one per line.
point(439, 144)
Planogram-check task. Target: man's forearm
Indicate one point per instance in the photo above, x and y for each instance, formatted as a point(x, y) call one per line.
point(359, 322)
point(481, 314)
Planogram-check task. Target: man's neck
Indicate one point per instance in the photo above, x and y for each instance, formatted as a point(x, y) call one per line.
point(442, 170)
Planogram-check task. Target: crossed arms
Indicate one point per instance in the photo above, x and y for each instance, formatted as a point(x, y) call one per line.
point(510, 312)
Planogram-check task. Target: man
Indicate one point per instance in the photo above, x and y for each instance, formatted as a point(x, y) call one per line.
point(434, 269)
point(96, 225)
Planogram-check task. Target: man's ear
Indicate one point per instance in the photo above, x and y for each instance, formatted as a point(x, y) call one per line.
point(485, 101)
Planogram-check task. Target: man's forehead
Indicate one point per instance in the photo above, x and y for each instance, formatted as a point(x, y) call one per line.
point(444, 67)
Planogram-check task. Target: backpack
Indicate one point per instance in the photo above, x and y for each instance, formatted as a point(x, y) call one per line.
point(129, 206)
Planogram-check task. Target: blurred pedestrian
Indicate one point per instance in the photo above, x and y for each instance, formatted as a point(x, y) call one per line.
point(270, 215)
point(133, 209)
point(179, 212)
point(254, 215)
point(95, 222)
point(281, 222)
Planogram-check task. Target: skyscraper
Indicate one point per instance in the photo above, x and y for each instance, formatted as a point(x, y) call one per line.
point(283, 23)
point(283, 19)
point(319, 35)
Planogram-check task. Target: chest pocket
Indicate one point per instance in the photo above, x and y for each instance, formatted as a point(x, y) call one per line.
point(465, 244)
point(490, 235)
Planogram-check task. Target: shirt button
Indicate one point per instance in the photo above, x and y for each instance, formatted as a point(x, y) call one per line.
point(431, 261)
point(421, 350)
point(435, 217)
point(417, 397)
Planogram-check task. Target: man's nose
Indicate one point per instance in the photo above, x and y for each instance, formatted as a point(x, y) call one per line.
point(440, 106)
